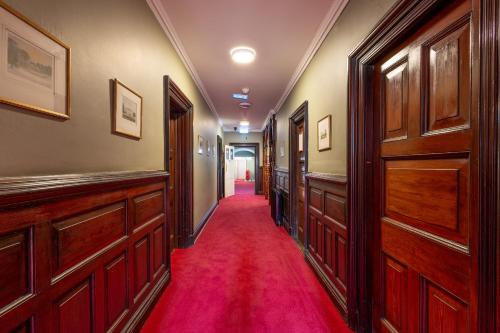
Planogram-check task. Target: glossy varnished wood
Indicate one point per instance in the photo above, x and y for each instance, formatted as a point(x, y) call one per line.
point(326, 237)
point(73, 254)
point(419, 207)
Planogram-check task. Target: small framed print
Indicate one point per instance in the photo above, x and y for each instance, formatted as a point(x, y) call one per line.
point(201, 144)
point(127, 113)
point(324, 133)
point(34, 66)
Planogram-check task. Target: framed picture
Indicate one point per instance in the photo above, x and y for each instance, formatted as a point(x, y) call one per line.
point(201, 144)
point(325, 133)
point(127, 113)
point(34, 66)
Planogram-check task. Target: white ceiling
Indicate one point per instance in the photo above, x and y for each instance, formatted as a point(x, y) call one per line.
point(284, 33)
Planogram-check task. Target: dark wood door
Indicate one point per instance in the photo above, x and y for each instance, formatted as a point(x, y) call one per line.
point(425, 262)
point(173, 169)
point(300, 169)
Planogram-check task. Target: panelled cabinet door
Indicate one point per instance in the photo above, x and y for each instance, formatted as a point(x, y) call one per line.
point(426, 179)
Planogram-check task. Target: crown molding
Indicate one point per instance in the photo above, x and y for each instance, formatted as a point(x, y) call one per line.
point(167, 26)
point(323, 30)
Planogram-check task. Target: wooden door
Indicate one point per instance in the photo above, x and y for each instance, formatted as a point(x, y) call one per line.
point(300, 169)
point(425, 263)
point(173, 169)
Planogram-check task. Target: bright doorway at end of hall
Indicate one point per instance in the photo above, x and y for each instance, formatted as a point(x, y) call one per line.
point(244, 171)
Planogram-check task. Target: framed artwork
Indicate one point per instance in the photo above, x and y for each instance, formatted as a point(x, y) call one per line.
point(34, 66)
point(127, 113)
point(201, 144)
point(325, 133)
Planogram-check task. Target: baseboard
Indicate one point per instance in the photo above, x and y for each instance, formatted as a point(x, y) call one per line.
point(139, 318)
point(330, 288)
point(201, 225)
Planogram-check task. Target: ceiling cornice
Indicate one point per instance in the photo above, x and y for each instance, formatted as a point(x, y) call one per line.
point(162, 17)
point(323, 30)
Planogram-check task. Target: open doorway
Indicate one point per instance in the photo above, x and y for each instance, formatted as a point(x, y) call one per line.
point(246, 168)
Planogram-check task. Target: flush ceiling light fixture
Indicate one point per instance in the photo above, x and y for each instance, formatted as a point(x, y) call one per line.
point(243, 54)
point(245, 105)
point(244, 123)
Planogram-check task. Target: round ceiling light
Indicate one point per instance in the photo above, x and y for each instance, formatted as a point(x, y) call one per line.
point(243, 54)
point(245, 105)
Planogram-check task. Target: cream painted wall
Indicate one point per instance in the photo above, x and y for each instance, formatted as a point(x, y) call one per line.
point(109, 39)
point(324, 85)
point(252, 137)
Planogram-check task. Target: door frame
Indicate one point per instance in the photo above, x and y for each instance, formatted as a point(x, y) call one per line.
point(256, 146)
point(301, 113)
point(184, 181)
point(398, 23)
point(220, 169)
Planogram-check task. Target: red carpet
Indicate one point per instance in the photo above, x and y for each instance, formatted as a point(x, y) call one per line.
point(243, 187)
point(244, 274)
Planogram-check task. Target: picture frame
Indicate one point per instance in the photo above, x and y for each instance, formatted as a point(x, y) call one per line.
point(325, 133)
point(35, 66)
point(201, 145)
point(127, 111)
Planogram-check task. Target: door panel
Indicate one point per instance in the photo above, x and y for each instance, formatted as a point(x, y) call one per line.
point(426, 183)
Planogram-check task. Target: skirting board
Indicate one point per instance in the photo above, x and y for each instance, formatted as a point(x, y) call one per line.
point(201, 225)
point(135, 323)
point(332, 291)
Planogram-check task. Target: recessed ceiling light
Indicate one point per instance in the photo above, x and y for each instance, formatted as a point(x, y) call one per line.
point(240, 96)
point(244, 123)
point(243, 54)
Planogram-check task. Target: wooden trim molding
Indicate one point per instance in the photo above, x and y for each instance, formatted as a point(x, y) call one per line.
point(256, 146)
point(18, 190)
point(198, 230)
point(401, 21)
point(301, 113)
point(185, 175)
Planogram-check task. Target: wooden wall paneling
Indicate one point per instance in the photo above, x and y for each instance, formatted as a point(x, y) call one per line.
point(282, 199)
point(326, 234)
point(450, 109)
point(74, 243)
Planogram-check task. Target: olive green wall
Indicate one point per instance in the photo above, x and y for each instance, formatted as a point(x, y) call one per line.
point(252, 137)
point(109, 39)
point(324, 85)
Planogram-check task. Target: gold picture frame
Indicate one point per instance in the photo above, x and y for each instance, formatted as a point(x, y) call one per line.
point(325, 133)
point(127, 111)
point(32, 77)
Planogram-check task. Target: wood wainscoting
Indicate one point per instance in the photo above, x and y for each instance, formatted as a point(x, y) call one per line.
point(281, 199)
point(326, 247)
point(82, 253)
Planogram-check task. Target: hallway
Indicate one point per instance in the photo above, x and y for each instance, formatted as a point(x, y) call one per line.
point(244, 274)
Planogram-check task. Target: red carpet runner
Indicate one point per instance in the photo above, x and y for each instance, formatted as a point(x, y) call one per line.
point(244, 274)
point(244, 187)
